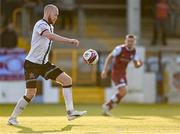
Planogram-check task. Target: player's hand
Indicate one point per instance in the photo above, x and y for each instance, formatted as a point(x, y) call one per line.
point(103, 74)
point(75, 42)
point(138, 64)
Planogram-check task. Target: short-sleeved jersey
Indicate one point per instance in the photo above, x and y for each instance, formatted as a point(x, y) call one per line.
point(122, 55)
point(40, 45)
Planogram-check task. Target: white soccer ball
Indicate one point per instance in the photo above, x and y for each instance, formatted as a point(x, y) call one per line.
point(90, 56)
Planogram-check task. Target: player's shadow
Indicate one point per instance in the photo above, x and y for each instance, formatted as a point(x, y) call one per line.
point(132, 118)
point(30, 130)
point(69, 127)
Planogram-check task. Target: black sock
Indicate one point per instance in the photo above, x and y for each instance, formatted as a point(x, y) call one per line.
point(27, 99)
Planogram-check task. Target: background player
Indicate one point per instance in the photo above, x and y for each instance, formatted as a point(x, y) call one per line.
point(37, 64)
point(120, 57)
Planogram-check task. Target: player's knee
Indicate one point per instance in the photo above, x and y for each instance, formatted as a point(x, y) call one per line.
point(67, 81)
point(64, 79)
point(122, 92)
point(30, 93)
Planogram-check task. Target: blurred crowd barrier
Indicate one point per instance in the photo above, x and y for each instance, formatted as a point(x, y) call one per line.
point(12, 82)
point(71, 62)
point(172, 82)
point(11, 64)
point(165, 63)
point(157, 81)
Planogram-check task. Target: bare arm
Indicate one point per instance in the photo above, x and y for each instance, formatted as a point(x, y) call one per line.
point(58, 38)
point(106, 64)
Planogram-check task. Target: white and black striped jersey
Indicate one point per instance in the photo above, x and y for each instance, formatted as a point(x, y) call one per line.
point(40, 45)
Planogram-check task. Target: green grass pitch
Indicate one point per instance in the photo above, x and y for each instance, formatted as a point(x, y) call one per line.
point(127, 118)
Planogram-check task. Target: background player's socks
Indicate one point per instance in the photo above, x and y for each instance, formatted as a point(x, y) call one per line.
point(110, 105)
point(21, 104)
point(106, 111)
point(67, 93)
point(115, 99)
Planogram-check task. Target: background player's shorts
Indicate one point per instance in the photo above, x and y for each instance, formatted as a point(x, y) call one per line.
point(33, 70)
point(119, 82)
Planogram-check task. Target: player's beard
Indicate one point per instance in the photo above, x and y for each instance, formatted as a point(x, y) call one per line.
point(50, 21)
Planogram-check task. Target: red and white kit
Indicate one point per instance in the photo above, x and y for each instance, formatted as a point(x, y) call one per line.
point(122, 55)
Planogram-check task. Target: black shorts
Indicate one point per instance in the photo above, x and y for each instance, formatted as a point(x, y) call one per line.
point(33, 70)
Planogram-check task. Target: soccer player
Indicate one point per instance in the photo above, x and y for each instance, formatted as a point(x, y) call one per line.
point(120, 58)
point(37, 64)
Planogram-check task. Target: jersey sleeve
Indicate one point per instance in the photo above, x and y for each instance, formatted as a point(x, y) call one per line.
point(136, 57)
point(42, 27)
point(116, 51)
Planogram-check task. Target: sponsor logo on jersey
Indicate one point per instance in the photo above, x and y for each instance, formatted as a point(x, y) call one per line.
point(125, 59)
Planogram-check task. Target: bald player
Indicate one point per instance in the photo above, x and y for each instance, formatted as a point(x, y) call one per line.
point(37, 64)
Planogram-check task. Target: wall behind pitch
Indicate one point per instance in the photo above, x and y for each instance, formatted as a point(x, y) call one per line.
point(135, 76)
point(11, 91)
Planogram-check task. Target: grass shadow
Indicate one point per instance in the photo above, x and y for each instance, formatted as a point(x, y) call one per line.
point(24, 129)
point(131, 118)
point(69, 127)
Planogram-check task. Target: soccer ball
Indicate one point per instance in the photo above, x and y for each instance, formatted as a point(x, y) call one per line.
point(90, 56)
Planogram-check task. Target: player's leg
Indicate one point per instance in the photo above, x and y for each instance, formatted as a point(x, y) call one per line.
point(116, 98)
point(31, 73)
point(54, 73)
point(66, 82)
point(21, 104)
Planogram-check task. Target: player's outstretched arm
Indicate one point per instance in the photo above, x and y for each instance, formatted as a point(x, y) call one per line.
point(106, 64)
point(58, 38)
point(138, 63)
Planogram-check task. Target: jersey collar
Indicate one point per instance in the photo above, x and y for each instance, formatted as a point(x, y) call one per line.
point(128, 48)
point(46, 22)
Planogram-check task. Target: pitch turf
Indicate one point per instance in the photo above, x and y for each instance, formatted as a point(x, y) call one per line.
point(128, 118)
